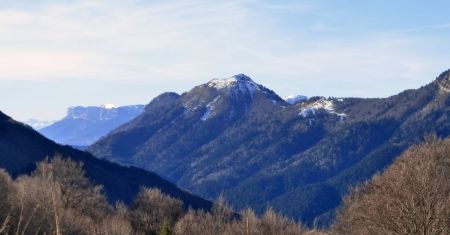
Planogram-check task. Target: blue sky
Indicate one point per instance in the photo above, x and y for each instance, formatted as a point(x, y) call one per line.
point(55, 54)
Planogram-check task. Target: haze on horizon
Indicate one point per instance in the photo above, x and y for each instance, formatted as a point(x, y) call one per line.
point(56, 54)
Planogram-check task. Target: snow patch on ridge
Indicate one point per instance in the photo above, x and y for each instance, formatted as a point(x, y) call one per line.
point(321, 104)
point(242, 82)
point(193, 106)
point(210, 110)
point(108, 106)
point(293, 99)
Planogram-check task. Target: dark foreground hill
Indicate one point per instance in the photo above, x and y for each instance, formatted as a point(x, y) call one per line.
point(21, 147)
point(240, 138)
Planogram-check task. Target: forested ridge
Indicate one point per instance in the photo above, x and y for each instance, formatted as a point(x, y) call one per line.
point(239, 138)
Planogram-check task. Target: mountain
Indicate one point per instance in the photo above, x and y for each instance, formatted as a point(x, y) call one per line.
point(37, 124)
point(21, 147)
point(83, 126)
point(236, 137)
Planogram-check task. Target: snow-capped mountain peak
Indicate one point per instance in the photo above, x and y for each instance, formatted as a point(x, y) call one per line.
point(229, 97)
point(240, 81)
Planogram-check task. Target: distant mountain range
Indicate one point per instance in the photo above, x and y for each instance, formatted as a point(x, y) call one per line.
point(37, 124)
point(83, 126)
point(21, 147)
point(239, 138)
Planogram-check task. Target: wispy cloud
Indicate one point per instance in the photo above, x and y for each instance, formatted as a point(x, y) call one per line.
point(293, 47)
point(173, 40)
point(158, 37)
point(292, 6)
point(426, 27)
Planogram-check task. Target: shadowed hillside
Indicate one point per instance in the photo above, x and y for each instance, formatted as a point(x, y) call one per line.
point(21, 147)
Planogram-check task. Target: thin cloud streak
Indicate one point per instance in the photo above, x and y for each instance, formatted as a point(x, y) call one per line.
point(291, 47)
point(167, 40)
point(426, 27)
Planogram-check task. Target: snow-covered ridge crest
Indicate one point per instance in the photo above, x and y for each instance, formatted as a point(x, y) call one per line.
point(102, 112)
point(322, 104)
point(293, 99)
point(240, 81)
point(108, 106)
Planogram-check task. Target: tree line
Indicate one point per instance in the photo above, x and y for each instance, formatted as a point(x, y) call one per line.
point(410, 197)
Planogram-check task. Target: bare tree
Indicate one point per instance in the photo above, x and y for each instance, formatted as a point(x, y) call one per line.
point(152, 209)
point(222, 215)
point(410, 197)
point(193, 223)
point(117, 224)
point(6, 192)
point(247, 223)
point(57, 199)
point(77, 191)
point(273, 223)
point(37, 206)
